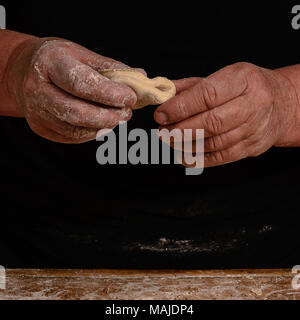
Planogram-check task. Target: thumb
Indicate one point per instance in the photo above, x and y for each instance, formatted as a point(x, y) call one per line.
point(196, 99)
point(186, 83)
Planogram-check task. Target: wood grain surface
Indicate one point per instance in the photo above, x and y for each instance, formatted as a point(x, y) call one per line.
point(135, 284)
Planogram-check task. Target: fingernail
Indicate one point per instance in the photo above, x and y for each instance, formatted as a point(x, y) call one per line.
point(103, 132)
point(130, 101)
point(161, 117)
point(124, 114)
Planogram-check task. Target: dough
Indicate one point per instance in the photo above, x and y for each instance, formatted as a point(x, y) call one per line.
point(149, 91)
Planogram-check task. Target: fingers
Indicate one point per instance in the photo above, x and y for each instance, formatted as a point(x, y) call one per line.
point(219, 88)
point(234, 106)
point(225, 140)
point(91, 58)
point(53, 129)
point(218, 120)
point(216, 143)
point(64, 128)
point(182, 106)
point(217, 158)
point(78, 112)
point(232, 154)
point(231, 81)
point(84, 82)
point(99, 62)
point(184, 84)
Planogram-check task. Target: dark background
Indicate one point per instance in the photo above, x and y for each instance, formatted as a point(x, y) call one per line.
point(59, 208)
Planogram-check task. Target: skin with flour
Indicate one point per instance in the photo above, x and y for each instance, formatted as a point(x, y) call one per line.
point(55, 84)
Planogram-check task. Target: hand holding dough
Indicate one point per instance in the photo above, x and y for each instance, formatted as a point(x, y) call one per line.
point(149, 91)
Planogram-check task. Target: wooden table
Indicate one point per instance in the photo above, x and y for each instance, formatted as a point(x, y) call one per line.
point(134, 284)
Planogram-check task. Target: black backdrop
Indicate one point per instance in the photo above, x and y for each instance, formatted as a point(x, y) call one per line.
point(59, 208)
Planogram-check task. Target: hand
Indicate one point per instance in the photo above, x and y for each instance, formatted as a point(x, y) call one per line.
point(243, 109)
point(56, 85)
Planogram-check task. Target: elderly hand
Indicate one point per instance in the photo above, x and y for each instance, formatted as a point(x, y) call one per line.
point(62, 96)
point(243, 109)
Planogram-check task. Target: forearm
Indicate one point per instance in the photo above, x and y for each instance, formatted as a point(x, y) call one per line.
point(10, 43)
point(292, 136)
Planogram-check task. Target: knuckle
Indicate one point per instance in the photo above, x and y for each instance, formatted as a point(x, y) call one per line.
point(256, 138)
point(245, 67)
point(248, 71)
point(255, 75)
point(107, 119)
point(209, 144)
point(78, 133)
point(74, 132)
point(209, 94)
point(258, 147)
point(214, 143)
point(182, 109)
point(53, 46)
point(252, 139)
point(112, 122)
point(213, 123)
point(256, 153)
point(218, 156)
point(240, 153)
point(231, 155)
point(28, 87)
point(123, 114)
point(47, 50)
point(73, 80)
point(68, 113)
point(264, 96)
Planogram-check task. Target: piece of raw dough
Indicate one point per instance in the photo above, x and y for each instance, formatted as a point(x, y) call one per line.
point(149, 91)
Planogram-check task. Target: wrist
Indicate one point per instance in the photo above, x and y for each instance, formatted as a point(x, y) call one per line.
point(9, 42)
point(17, 68)
point(14, 75)
point(288, 104)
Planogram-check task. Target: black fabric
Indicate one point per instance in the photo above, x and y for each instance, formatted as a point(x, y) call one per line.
point(60, 208)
